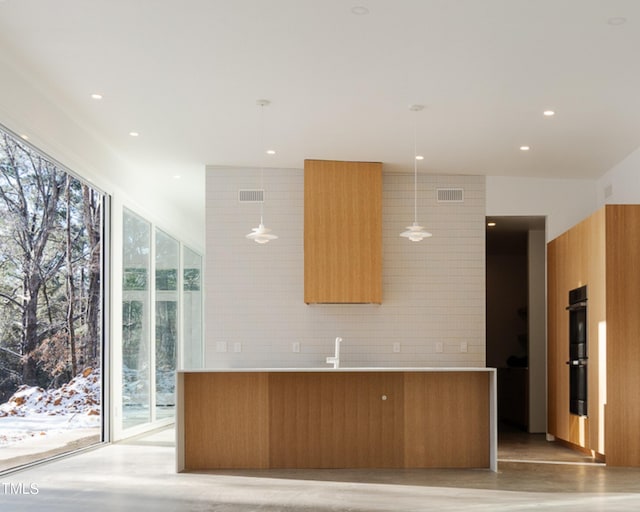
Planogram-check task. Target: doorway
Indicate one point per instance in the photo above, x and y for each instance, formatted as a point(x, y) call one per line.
point(516, 319)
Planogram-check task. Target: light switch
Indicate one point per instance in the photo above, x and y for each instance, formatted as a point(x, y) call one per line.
point(237, 347)
point(295, 346)
point(439, 347)
point(221, 346)
point(396, 347)
point(463, 346)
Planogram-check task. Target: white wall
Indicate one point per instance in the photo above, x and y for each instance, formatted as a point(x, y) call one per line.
point(563, 202)
point(537, 332)
point(433, 291)
point(621, 185)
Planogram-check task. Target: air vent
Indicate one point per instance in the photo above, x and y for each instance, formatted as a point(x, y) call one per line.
point(251, 196)
point(450, 195)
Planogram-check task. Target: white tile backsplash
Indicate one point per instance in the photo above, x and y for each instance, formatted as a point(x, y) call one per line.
point(433, 291)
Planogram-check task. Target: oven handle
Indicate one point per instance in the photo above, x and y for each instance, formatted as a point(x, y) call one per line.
point(577, 306)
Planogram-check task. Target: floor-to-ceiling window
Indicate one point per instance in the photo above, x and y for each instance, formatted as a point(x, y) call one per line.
point(136, 327)
point(166, 299)
point(51, 307)
point(161, 318)
point(192, 309)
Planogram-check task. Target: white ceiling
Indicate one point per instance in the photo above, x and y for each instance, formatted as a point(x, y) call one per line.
point(186, 75)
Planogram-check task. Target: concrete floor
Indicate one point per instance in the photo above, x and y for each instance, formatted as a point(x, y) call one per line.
point(139, 475)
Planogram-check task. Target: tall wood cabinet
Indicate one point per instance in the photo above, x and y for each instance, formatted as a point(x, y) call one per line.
point(602, 252)
point(342, 232)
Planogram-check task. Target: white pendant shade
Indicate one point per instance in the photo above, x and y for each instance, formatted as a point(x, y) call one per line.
point(261, 234)
point(415, 233)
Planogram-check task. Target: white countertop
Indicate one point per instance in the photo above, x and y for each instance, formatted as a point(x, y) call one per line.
point(346, 369)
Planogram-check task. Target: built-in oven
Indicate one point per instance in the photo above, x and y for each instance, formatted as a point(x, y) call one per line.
point(578, 353)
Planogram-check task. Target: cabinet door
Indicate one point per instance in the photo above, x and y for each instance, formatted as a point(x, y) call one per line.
point(336, 420)
point(342, 232)
point(446, 419)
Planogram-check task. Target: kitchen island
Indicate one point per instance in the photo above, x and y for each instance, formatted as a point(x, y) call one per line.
point(336, 418)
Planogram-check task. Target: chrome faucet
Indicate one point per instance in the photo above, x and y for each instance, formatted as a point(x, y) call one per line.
point(335, 360)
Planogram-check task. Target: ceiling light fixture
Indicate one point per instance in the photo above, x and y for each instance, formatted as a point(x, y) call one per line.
point(525, 148)
point(96, 96)
point(549, 113)
point(359, 10)
point(617, 20)
point(415, 232)
point(491, 224)
point(261, 234)
point(134, 134)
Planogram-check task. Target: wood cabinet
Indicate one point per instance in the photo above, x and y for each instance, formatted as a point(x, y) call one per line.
point(342, 232)
point(601, 252)
point(336, 419)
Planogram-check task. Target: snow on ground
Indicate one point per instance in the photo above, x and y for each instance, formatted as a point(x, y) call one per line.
point(34, 412)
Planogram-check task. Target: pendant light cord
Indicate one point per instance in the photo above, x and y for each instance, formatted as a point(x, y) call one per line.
point(415, 169)
point(262, 162)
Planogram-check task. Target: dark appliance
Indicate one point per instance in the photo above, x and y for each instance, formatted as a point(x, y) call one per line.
point(578, 354)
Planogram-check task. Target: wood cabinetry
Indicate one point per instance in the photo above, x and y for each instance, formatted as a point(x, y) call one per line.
point(336, 419)
point(342, 232)
point(601, 252)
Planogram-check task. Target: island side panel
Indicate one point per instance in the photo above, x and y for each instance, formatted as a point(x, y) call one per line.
point(226, 420)
point(336, 420)
point(447, 419)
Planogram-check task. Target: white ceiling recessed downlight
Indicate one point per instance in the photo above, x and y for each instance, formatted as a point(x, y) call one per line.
point(96, 96)
point(525, 148)
point(549, 113)
point(617, 20)
point(359, 10)
point(134, 134)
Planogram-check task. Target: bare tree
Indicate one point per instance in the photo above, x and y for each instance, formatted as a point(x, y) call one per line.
point(71, 289)
point(32, 203)
point(92, 214)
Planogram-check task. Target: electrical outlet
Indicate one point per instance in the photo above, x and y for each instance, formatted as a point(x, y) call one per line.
point(439, 347)
point(221, 346)
point(295, 346)
point(237, 347)
point(396, 347)
point(464, 347)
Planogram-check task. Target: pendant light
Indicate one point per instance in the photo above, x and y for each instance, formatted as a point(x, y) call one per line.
point(415, 232)
point(261, 234)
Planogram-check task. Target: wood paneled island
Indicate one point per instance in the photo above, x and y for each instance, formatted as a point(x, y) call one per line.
point(337, 418)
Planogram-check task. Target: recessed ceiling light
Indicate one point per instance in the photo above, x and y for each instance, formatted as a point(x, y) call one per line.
point(96, 96)
point(491, 224)
point(359, 10)
point(134, 134)
point(419, 157)
point(177, 176)
point(549, 113)
point(524, 148)
point(617, 20)
point(271, 151)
